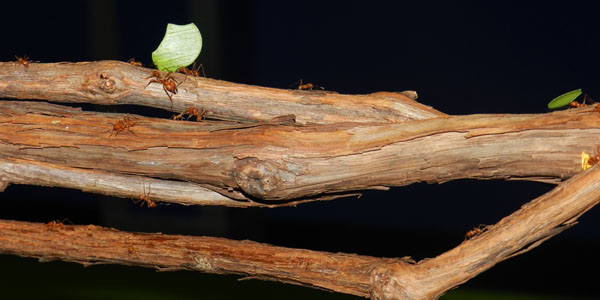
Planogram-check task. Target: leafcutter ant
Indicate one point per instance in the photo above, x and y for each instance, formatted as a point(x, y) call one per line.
point(24, 60)
point(475, 232)
point(133, 62)
point(575, 104)
point(306, 86)
point(191, 112)
point(587, 161)
point(124, 124)
point(56, 225)
point(169, 83)
point(145, 198)
point(193, 71)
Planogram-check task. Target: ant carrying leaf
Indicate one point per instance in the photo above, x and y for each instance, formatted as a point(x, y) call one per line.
point(564, 99)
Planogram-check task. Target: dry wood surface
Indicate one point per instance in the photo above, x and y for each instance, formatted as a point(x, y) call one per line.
point(116, 83)
point(271, 147)
point(273, 163)
point(378, 278)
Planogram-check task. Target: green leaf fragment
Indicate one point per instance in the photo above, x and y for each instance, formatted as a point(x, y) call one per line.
point(564, 99)
point(179, 48)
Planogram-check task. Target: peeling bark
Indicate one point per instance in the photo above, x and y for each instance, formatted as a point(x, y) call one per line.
point(272, 162)
point(277, 147)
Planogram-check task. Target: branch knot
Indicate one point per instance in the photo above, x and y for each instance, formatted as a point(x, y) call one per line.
point(262, 179)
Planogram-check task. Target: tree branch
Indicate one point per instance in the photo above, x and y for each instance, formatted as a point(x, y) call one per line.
point(114, 82)
point(93, 244)
point(281, 163)
point(18, 171)
point(337, 144)
point(364, 276)
point(518, 233)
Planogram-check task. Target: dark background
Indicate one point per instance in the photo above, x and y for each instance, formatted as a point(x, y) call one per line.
point(461, 57)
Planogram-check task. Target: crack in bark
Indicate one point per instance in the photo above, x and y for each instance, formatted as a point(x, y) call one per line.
point(335, 145)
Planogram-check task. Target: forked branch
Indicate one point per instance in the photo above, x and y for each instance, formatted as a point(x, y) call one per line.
point(379, 278)
point(279, 147)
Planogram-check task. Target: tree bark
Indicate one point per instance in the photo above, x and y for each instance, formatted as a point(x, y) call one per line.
point(115, 83)
point(276, 147)
point(277, 163)
point(378, 278)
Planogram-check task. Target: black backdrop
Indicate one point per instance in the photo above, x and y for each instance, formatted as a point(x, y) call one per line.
point(461, 57)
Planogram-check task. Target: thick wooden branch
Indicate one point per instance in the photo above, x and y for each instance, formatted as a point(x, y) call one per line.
point(136, 187)
point(520, 232)
point(93, 244)
point(275, 162)
point(336, 144)
point(114, 82)
point(364, 276)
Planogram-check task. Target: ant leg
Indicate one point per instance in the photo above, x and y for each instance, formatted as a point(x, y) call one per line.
point(179, 116)
point(177, 82)
point(202, 67)
point(170, 96)
point(151, 81)
point(144, 196)
point(131, 131)
point(199, 115)
point(588, 98)
point(184, 79)
point(149, 202)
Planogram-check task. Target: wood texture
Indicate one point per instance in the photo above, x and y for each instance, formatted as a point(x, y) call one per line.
point(281, 163)
point(93, 244)
point(115, 83)
point(276, 147)
point(378, 278)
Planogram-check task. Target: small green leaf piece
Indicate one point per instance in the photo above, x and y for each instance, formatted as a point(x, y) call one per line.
point(179, 48)
point(564, 99)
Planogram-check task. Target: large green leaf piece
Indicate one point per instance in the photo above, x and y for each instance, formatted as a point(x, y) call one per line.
point(179, 48)
point(564, 99)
